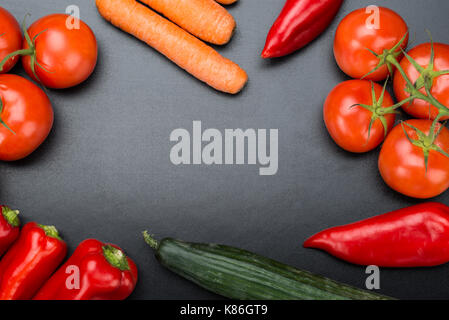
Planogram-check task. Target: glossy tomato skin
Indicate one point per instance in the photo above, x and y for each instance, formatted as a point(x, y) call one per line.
point(28, 112)
point(348, 126)
point(440, 89)
point(11, 39)
point(402, 165)
point(68, 55)
point(354, 37)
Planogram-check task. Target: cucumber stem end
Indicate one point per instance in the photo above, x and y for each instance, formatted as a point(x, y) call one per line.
point(149, 239)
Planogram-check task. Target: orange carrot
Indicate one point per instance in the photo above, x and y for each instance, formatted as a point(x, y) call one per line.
point(226, 1)
point(205, 19)
point(181, 47)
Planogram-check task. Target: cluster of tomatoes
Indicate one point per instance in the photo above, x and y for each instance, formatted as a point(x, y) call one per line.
point(360, 114)
point(58, 51)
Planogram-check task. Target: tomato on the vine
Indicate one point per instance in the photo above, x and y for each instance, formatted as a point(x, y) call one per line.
point(433, 73)
point(361, 46)
point(414, 159)
point(10, 39)
point(62, 51)
point(26, 117)
point(358, 114)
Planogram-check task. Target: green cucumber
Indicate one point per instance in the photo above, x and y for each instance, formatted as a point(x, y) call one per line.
point(242, 275)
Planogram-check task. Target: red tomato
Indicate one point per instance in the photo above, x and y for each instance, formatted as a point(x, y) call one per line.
point(402, 164)
point(66, 56)
point(356, 34)
point(439, 82)
point(27, 112)
point(10, 39)
point(349, 126)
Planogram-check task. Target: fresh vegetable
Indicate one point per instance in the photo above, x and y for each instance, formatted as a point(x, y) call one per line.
point(414, 159)
point(57, 56)
point(362, 49)
point(9, 228)
point(300, 22)
point(358, 115)
point(182, 48)
point(26, 117)
point(226, 2)
point(239, 274)
point(416, 236)
point(10, 38)
point(205, 19)
point(426, 66)
point(30, 261)
point(103, 270)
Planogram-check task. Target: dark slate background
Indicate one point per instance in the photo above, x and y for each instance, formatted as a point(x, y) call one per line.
point(105, 172)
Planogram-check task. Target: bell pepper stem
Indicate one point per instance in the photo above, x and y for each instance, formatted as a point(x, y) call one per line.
point(116, 257)
point(50, 231)
point(11, 216)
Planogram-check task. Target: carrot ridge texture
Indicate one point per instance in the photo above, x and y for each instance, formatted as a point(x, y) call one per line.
point(205, 19)
point(188, 52)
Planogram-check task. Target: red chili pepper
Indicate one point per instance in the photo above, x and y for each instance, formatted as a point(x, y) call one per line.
point(417, 236)
point(30, 261)
point(9, 228)
point(95, 271)
point(300, 22)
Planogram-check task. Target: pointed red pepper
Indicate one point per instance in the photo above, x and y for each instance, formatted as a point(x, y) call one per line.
point(95, 271)
point(416, 236)
point(30, 261)
point(300, 22)
point(9, 228)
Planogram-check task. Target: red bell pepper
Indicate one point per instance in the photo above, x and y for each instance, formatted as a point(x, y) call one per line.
point(95, 271)
point(300, 22)
point(9, 228)
point(30, 261)
point(416, 236)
